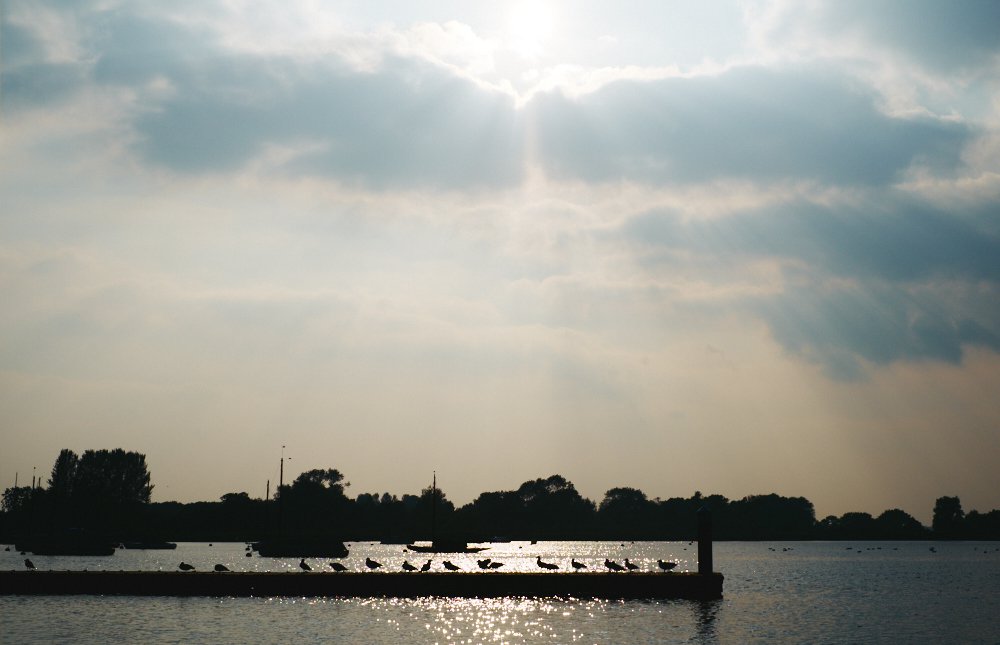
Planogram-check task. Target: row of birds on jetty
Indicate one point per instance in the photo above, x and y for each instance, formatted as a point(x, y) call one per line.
point(484, 564)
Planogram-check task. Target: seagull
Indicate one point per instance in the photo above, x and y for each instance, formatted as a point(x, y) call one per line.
point(577, 565)
point(249, 555)
point(545, 565)
point(29, 564)
point(630, 566)
point(304, 566)
point(371, 564)
point(497, 565)
point(666, 566)
point(484, 564)
point(408, 567)
point(449, 566)
point(221, 567)
point(426, 566)
point(612, 565)
point(336, 566)
point(184, 566)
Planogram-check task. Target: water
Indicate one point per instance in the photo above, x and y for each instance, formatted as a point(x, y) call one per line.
point(794, 592)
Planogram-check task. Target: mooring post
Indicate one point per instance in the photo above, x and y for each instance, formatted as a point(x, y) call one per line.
point(704, 540)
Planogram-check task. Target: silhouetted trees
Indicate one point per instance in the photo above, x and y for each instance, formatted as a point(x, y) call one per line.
point(109, 491)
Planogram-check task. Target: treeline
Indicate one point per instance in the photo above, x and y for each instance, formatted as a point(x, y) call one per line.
point(107, 492)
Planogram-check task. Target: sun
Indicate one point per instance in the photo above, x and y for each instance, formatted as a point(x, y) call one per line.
point(529, 27)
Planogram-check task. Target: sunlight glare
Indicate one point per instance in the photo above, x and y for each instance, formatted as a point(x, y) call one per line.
point(529, 26)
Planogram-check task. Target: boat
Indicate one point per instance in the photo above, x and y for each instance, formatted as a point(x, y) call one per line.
point(446, 546)
point(69, 542)
point(149, 544)
point(300, 548)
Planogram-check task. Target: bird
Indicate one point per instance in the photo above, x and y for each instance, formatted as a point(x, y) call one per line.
point(426, 566)
point(29, 564)
point(249, 555)
point(612, 565)
point(449, 566)
point(371, 564)
point(221, 567)
point(630, 566)
point(304, 566)
point(184, 566)
point(336, 566)
point(495, 565)
point(408, 567)
point(484, 564)
point(666, 566)
point(577, 565)
point(545, 565)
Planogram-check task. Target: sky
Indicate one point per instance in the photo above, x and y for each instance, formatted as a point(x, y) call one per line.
point(732, 247)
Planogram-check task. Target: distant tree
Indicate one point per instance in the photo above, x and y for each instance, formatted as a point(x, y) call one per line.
point(63, 475)
point(948, 517)
point(895, 524)
point(16, 499)
point(236, 498)
point(627, 513)
point(112, 477)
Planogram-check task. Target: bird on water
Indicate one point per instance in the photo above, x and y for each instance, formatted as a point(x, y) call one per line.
point(221, 567)
point(426, 566)
point(449, 566)
point(484, 564)
point(545, 565)
point(304, 566)
point(372, 564)
point(29, 564)
point(336, 566)
point(666, 566)
point(612, 565)
point(495, 565)
point(577, 565)
point(184, 566)
point(630, 566)
point(408, 567)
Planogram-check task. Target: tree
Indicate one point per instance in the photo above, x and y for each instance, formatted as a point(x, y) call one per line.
point(948, 517)
point(63, 475)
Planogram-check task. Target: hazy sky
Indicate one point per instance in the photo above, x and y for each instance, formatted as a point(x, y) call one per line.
point(741, 248)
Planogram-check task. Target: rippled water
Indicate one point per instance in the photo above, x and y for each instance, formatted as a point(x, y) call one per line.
point(798, 592)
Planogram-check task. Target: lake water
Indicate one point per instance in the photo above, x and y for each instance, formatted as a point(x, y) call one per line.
point(787, 592)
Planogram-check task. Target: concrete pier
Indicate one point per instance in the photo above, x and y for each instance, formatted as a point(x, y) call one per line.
point(634, 585)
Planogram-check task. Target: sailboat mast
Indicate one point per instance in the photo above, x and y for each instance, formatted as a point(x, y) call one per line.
point(434, 503)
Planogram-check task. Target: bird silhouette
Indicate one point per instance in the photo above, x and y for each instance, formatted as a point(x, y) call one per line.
point(184, 566)
point(371, 564)
point(304, 566)
point(249, 555)
point(484, 564)
point(408, 567)
point(666, 566)
point(630, 566)
point(221, 567)
point(577, 565)
point(426, 566)
point(495, 565)
point(29, 564)
point(545, 565)
point(449, 566)
point(612, 565)
point(336, 566)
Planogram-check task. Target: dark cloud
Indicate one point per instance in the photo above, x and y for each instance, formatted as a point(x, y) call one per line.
point(941, 35)
point(883, 284)
point(26, 80)
point(748, 123)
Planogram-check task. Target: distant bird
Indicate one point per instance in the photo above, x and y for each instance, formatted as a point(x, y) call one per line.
point(449, 566)
point(336, 566)
point(29, 564)
point(221, 567)
point(545, 565)
point(666, 566)
point(630, 566)
point(249, 555)
point(7, 549)
point(371, 564)
point(408, 567)
point(612, 565)
point(304, 566)
point(484, 564)
point(184, 566)
point(495, 565)
point(577, 565)
point(426, 566)
point(933, 550)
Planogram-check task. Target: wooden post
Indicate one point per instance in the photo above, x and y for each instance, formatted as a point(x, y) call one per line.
point(704, 540)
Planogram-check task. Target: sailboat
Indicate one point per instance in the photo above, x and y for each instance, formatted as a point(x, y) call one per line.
point(440, 545)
